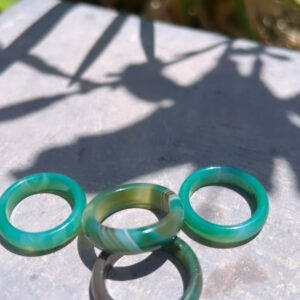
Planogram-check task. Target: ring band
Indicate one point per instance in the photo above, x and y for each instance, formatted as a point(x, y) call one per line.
point(177, 248)
point(34, 242)
point(230, 177)
point(136, 240)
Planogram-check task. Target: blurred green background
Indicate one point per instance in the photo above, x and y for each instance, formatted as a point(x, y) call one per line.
point(5, 4)
point(273, 22)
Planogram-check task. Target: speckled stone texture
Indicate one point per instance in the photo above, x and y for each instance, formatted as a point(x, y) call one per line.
point(108, 99)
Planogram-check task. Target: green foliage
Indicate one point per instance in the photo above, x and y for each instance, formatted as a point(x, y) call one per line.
point(243, 20)
point(295, 2)
point(5, 4)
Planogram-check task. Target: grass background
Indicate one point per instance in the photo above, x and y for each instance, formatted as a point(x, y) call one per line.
point(272, 22)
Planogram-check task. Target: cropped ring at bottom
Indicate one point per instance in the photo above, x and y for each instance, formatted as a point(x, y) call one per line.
point(177, 248)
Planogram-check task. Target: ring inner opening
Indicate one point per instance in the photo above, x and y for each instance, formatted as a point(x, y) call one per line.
point(223, 205)
point(40, 212)
point(142, 199)
point(130, 218)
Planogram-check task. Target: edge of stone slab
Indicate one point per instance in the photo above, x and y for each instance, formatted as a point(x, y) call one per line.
point(24, 13)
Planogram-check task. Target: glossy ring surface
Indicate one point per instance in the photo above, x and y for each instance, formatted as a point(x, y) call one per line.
point(136, 240)
point(177, 248)
point(42, 183)
point(229, 177)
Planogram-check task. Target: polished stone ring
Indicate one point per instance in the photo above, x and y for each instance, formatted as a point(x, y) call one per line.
point(177, 248)
point(35, 242)
point(233, 178)
point(131, 241)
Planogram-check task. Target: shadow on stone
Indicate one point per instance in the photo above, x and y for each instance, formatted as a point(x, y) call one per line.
point(221, 118)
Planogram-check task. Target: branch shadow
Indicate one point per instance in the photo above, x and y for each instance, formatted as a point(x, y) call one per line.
point(33, 35)
point(19, 50)
point(222, 118)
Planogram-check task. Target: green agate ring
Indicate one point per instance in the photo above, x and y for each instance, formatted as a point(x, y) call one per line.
point(35, 242)
point(177, 248)
point(219, 234)
point(131, 241)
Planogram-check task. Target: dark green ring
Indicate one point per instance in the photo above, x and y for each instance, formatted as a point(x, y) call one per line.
point(177, 248)
point(230, 177)
point(136, 240)
point(35, 242)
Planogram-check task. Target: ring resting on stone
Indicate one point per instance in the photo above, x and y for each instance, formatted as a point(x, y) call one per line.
point(229, 177)
point(137, 240)
point(177, 248)
point(34, 242)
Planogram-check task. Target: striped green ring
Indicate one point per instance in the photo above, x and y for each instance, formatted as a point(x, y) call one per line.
point(136, 240)
point(230, 177)
point(36, 242)
point(177, 248)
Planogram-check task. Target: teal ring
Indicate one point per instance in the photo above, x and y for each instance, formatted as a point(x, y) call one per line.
point(35, 242)
point(177, 248)
point(137, 240)
point(230, 177)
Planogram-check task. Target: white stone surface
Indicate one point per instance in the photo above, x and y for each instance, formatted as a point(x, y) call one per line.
point(108, 99)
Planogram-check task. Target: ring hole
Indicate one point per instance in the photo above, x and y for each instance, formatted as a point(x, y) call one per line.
point(145, 276)
point(220, 205)
point(130, 218)
point(40, 212)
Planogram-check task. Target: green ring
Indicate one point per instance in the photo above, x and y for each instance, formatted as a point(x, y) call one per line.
point(177, 248)
point(230, 177)
point(34, 242)
point(136, 240)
